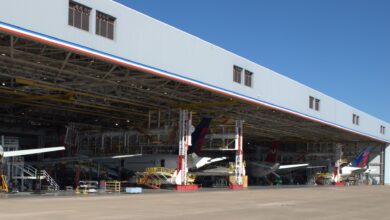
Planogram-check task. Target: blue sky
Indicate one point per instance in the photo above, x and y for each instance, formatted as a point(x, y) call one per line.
point(339, 47)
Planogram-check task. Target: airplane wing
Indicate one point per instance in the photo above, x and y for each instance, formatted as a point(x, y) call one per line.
point(293, 166)
point(214, 160)
point(315, 167)
point(122, 156)
point(32, 151)
point(197, 162)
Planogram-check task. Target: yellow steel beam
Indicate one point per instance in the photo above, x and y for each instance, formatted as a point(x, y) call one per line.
point(58, 88)
point(62, 98)
point(52, 97)
point(64, 109)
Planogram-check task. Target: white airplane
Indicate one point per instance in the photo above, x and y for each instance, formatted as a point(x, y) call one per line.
point(194, 161)
point(262, 169)
point(357, 166)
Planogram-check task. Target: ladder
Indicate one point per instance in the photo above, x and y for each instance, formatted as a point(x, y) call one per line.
point(50, 180)
point(33, 173)
point(4, 185)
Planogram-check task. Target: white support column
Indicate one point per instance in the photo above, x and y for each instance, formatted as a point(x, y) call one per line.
point(185, 124)
point(338, 156)
point(387, 165)
point(239, 172)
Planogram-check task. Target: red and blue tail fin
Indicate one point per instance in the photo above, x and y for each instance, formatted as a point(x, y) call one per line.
point(199, 136)
point(272, 154)
point(362, 158)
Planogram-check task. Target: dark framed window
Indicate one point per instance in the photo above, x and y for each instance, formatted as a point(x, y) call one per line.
point(383, 129)
point(237, 74)
point(79, 15)
point(105, 25)
point(248, 78)
point(311, 102)
point(314, 103)
point(355, 119)
point(317, 105)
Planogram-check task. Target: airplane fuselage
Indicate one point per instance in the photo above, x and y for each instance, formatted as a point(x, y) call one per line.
point(347, 171)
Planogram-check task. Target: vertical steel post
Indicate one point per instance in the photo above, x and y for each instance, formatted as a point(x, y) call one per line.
point(239, 168)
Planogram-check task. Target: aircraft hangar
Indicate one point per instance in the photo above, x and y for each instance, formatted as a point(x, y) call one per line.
point(102, 80)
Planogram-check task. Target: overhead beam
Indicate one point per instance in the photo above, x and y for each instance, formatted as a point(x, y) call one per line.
point(109, 72)
point(63, 66)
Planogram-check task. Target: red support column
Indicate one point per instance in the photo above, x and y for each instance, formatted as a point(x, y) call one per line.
point(239, 166)
point(336, 173)
point(185, 130)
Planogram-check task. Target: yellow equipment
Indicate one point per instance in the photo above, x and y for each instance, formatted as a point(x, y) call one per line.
point(4, 185)
point(154, 177)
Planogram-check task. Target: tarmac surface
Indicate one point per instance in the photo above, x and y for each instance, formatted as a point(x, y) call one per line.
point(315, 203)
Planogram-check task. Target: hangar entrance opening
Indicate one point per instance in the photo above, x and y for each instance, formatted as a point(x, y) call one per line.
point(55, 96)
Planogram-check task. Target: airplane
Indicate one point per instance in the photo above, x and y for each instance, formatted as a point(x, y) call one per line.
point(357, 166)
point(194, 161)
point(262, 169)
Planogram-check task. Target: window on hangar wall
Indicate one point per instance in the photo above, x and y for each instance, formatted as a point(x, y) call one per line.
point(355, 119)
point(105, 25)
point(317, 105)
point(314, 103)
point(383, 129)
point(311, 102)
point(79, 15)
point(248, 78)
point(237, 74)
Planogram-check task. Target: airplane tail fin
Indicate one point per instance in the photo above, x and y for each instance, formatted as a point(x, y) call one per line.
point(362, 158)
point(272, 154)
point(199, 135)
